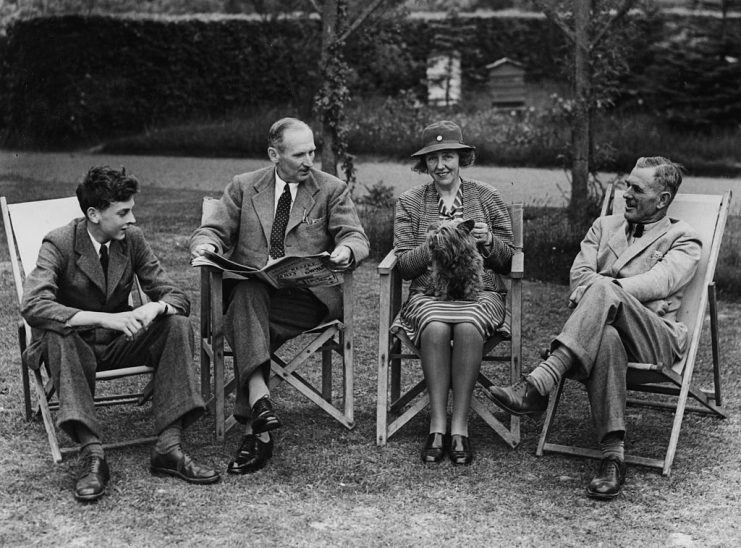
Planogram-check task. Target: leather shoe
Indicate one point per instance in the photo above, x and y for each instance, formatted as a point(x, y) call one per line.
point(460, 450)
point(607, 483)
point(434, 449)
point(252, 455)
point(521, 398)
point(264, 418)
point(93, 480)
point(178, 464)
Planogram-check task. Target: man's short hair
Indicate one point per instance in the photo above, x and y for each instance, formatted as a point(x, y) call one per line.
point(278, 129)
point(103, 186)
point(466, 157)
point(667, 173)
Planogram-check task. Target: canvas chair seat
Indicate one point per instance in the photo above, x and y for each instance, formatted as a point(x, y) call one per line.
point(400, 400)
point(334, 337)
point(26, 224)
point(707, 215)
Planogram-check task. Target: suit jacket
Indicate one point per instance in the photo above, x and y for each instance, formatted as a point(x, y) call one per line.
point(417, 209)
point(68, 278)
point(323, 216)
point(655, 268)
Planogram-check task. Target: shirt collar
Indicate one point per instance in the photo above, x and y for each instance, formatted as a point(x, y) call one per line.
point(97, 245)
point(280, 185)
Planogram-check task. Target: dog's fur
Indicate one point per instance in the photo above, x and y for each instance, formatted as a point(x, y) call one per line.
point(457, 265)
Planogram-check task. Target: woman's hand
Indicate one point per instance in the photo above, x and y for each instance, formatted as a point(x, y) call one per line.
point(482, 234)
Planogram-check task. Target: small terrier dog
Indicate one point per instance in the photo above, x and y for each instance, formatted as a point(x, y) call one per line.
point(457, 265)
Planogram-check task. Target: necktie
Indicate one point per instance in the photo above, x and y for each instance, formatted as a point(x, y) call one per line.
point(104, 260)
point(638, 230)
point(278, 233)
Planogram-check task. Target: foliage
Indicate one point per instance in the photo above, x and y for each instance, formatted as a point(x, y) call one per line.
point(695, 76)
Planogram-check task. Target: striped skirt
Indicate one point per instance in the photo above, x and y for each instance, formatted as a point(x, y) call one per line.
point(486, 314)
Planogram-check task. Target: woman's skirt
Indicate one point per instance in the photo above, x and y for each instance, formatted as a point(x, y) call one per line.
point(486, 314)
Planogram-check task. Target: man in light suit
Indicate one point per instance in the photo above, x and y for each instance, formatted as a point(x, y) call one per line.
point(627, 284)
point(76, 301)
point(289, 208)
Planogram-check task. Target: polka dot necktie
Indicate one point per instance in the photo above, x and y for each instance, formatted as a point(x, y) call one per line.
point(278, 233)
point(104, 260)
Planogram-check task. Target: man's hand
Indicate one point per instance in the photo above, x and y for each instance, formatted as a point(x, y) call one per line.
point(200, 248)
point(126, 322)
point(341, 257)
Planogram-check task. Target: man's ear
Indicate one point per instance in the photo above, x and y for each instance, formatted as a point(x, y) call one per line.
point(273, 154)
point(93, 215)
point(466, 226)
point(665, 198)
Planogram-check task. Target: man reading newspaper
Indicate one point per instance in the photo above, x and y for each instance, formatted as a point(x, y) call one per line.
point(288, 209)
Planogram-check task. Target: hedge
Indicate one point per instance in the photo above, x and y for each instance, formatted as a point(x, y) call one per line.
point(77, 79)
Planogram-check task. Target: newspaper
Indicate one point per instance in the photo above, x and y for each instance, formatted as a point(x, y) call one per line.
point(290, 271)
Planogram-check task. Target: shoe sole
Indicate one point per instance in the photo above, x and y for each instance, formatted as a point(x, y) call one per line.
point(89, 498)
point(266, 426)
point(176, 474)
point(601, 496)
point(511, 411)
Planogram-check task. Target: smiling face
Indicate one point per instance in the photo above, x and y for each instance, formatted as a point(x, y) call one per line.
point(112, 222)
point(295, 156)
point(444, 167)
point(645, 199)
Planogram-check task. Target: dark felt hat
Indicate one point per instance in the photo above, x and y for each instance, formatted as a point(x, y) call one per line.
point(443, 135)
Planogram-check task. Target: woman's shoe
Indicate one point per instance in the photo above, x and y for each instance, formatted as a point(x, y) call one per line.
point(434, 449)
point(460, 450)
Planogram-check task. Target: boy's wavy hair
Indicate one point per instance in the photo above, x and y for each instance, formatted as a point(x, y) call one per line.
point(104, 185)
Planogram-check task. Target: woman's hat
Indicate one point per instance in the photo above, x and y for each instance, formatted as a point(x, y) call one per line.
point(444, 135)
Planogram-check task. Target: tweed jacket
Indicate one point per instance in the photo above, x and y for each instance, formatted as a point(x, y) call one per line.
point(654, 269)
point(68, 278)
point(323, 216)
point(417, 209)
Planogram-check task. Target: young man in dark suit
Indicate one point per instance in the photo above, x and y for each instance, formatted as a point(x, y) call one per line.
point(76, 301)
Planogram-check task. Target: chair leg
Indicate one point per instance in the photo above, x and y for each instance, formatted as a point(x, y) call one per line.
point(712, 300)
point(348, 369)
point(51, 433)
point(550, 416)
point(327, 371)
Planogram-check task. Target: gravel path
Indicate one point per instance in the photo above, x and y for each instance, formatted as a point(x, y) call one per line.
point(528, 185)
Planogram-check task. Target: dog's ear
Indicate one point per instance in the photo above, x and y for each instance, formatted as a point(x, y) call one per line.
point(433, 227)
point(466, 226)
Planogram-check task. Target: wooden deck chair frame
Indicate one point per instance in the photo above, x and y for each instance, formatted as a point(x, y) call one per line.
point(329, 338)
point(677, 379)
point(395, 409)
point(23, 249)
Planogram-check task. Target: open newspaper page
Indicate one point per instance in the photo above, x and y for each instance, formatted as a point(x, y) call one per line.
point(309, 271)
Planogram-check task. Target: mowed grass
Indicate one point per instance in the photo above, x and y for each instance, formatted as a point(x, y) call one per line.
point(327, 486)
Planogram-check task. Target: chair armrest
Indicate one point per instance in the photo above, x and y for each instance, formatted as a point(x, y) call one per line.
point(388, 263)
point(518, 265)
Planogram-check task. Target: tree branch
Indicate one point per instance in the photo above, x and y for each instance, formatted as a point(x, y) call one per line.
point(624, 8)
point(551, 14)
point(360, 19)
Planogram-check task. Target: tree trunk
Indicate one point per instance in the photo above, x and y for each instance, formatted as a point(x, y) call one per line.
point(581, 128)
point(330, 16)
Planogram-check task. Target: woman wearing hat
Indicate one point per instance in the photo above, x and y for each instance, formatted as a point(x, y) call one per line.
point(450, 334)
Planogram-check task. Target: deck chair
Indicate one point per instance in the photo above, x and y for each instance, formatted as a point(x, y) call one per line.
point(394, 408)
point(707, 214)
point(326, 339)
point(25, 226)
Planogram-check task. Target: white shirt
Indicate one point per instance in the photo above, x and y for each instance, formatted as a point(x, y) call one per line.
point(97, 245)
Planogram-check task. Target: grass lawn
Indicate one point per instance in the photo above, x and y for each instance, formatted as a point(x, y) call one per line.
point(327, 486)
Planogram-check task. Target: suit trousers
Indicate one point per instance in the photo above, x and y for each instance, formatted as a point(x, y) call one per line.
point(607, 329)
point(259, 319)
point(166, 345)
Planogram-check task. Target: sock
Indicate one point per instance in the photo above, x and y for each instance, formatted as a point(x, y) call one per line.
point(169, 438)
point(89, 443)
point(613, 445)
point(548, 374)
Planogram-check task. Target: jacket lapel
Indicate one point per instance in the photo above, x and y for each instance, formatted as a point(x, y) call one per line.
point(88, 261)
point(263, 200)
point(303, 203)
point(640, 244)
point(117, 261)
